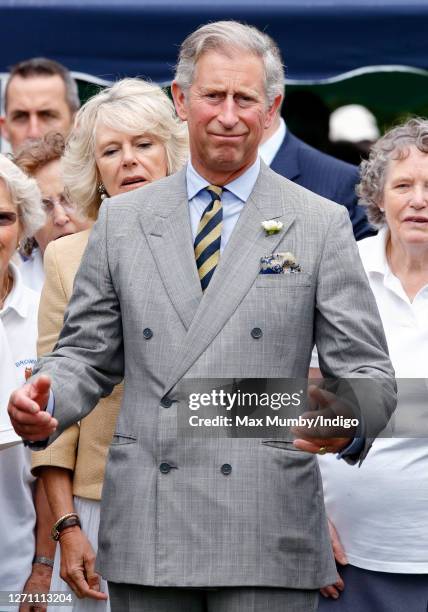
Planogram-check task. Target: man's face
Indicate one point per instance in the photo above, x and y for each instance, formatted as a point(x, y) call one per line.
point(226, 112)
point(35, 106)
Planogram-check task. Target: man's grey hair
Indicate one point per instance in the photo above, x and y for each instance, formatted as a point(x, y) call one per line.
point(41, 66)
point(25, 196)
point(394, 145)
point(224, 36)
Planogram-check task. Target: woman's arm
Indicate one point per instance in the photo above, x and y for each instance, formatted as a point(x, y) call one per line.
point(40, 578)
point(56, 464)
point(53, 302)
point(77, 555)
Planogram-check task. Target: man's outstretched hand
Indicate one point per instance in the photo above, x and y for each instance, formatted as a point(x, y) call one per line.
point(27, 410)
point(323, 439)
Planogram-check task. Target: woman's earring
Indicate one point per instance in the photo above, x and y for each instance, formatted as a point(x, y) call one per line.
point(102, 191)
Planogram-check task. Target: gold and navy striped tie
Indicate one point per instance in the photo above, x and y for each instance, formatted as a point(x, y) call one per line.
point(208, 237)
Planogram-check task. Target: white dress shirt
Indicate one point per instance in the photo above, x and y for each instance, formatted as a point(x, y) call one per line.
point(271, 146)
point(233, 198)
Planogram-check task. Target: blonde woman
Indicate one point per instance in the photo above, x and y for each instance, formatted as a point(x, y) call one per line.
point(124, 137)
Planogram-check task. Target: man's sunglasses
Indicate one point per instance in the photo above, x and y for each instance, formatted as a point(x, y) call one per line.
point(7, 218)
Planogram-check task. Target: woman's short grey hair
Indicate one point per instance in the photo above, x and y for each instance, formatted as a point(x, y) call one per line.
point(131, 106)
point(25, 196)
point(394, 145)
point(227, 35)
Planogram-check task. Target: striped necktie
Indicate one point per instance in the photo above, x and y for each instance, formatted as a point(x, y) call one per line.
point(208, 237)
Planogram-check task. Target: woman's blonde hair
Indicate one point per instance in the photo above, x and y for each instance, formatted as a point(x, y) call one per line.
point(132, 106)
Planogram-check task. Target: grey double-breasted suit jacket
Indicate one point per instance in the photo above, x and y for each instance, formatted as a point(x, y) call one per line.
point(170, 514)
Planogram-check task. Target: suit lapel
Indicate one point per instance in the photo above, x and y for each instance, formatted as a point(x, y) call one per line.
point(237, 269)
point(286, 161)
point(169, 235)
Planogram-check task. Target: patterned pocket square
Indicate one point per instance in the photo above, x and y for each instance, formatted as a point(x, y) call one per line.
point(279, 263)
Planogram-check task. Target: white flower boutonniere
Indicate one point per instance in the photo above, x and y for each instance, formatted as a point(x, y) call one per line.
point(272, 226)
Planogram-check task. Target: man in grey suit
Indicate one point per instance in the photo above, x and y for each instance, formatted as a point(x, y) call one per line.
point(170, 288)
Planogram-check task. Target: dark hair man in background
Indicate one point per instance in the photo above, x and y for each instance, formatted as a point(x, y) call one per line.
point(41, 96)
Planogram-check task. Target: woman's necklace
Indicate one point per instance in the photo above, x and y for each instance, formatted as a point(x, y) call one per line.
point(6, 293)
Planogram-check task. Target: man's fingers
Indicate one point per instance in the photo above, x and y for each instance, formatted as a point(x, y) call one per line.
point(320, 397)
point(317, 424)
point(34, 433)
point(22, 401)
point(324, 425)
point(330, 591)
point(340, 585)
point(305, 445)
point(28, 419)
point(326, 445)
point(39, 390)
point(333, 590)
point(33, 424)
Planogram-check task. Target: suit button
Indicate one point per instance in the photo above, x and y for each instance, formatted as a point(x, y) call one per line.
point(256, 333)
point(147, 333)
point(165, 468)
point(166, 402)
point(226, 469)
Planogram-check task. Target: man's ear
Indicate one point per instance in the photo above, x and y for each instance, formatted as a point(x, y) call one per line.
point(3, 128)
point(270, 115)
point(180, 102)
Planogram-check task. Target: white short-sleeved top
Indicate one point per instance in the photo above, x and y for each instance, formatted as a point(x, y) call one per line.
point(18, 336)
point(381, 509)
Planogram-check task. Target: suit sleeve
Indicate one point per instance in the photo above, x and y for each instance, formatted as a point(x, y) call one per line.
point(53, 302)
point(357, 214)
point(87, 361)
point(348, 330)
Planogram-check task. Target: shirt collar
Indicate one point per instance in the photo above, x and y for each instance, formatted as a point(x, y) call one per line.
point(241, 187)
point(377, 260)
point(16, 300)
point(271, 146)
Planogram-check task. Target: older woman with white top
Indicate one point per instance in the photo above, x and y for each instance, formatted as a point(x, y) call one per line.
point(380, 512)
point(21, 215)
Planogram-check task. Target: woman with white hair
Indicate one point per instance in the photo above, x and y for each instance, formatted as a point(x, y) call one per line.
point(124, 138)
point(21, 215)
